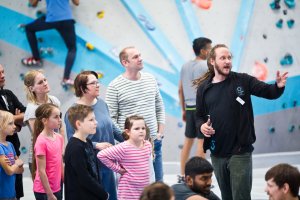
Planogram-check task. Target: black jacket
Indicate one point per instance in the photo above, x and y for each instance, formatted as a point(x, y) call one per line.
point(13, 103)
point(242, 85)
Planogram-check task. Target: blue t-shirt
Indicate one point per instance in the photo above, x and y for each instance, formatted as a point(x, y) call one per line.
point(58, 10)
point(7, 189)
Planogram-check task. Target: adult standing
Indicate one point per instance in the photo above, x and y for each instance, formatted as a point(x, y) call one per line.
point(136, 93)
point(187, 97)
point(225, 117)
point(10, 102)
point(59, 17)
point(87, 88)
point(37, 89)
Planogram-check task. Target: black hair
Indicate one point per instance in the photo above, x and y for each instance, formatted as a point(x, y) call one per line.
point(200, 43)
point(197, 165)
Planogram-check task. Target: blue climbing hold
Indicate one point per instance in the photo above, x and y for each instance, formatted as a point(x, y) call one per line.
point(272, 129)
point(291, 128)
point(22, 76)
point(23, 150)
point(290, 23)
point(287, 60)
point(149, 26)
point(279, 23)
point(290, 3)
point(180, 124)
point(275, 5)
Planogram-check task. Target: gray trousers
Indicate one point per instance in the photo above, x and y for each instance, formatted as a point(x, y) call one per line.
point(234, 176)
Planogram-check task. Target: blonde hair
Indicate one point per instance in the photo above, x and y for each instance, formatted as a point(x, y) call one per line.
point(29, 81)
point(210, 72)
point(123, 54)
point(5, 118)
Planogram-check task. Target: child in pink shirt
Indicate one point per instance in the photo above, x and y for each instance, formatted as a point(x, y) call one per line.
point(130, 159)
point(48, 148)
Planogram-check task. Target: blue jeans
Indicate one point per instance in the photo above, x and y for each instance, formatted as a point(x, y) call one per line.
point(157, 163)
point(108, 182)
point(234, 176)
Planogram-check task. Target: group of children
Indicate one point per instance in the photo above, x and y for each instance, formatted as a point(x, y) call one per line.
point(78, 168)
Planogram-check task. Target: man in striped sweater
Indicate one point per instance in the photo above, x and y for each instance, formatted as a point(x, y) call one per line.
point(136, 93)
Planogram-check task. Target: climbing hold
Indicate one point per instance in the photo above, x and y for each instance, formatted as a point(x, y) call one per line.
point(24, 150)
point(100, 14)
point(142, 17)
point(264, 36)
point(40, 39)
point(275, 5)
point(266, 59)
point(294, 103)
point(260, 71)
point(180, 124)
point(283, 105)
point(46, 51)
point(180, 146)
point(149, 26)
point(21, 75)
point(291, 128)
point(287, 60)
point(290, 23)
point(21, 27)
point(272, 129)
point(284, 11)
point(279, 23)
point(39, 14)
point(204, 4)
point(100, 75)
point(89, 46)
point(290, 3)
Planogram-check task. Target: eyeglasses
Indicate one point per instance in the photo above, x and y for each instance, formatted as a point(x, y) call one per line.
point(94, 83)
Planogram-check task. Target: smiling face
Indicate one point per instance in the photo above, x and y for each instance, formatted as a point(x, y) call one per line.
point(137, 131)
point(222, 63)
point(200, 183)
point(274, 192)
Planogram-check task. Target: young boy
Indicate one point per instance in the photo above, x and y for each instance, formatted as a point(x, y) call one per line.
point(81, 168)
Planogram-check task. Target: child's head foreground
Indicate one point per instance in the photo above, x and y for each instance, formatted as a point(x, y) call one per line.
point(7, 126)
point(82, 118)
point(157, 191)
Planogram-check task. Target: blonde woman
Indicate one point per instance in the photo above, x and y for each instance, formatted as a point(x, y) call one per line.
point(37, 89)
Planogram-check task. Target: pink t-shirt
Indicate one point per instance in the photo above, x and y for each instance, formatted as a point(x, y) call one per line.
point(52, 149)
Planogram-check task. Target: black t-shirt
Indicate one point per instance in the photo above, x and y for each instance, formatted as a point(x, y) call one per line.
point(220, 102)
point(81, 172)
point(10, 105)
point(182, 192)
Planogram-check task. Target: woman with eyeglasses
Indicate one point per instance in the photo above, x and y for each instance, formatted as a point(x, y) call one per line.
point(87, 88)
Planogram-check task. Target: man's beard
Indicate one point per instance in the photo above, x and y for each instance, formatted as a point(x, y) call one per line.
point(218, 68)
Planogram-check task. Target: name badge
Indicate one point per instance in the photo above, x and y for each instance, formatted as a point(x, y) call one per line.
point(241, 101)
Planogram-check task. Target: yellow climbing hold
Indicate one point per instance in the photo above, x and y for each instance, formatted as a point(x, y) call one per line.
point(100, 14)
point(89, 46)
point(100, 75)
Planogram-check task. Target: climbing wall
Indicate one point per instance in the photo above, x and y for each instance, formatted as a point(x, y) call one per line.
point(262, 37)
